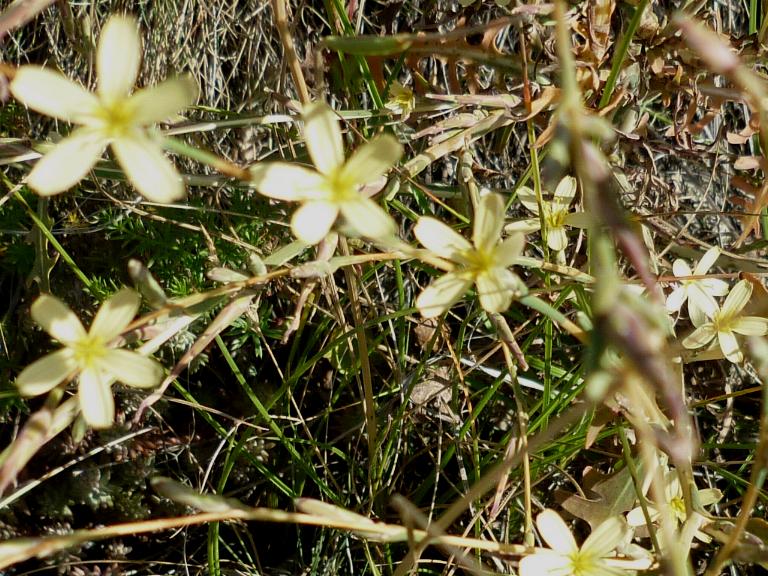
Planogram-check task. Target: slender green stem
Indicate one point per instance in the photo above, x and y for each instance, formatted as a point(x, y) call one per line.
point(224, 166)
point(55, 243)
point(637, 481)
point(621, 53)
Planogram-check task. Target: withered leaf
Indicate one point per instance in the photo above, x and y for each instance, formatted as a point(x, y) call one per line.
point(611, 495)
point(752, 546)
point(600, 13)
point(603, 416)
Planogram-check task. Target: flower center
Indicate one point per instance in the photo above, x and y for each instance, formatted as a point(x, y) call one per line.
point(584, 564)
point(117, 118)
point(722, 321)
point(556, 218)
point(677, 505)
point(404, 99)
point(88, 350)
point(478, 261)
point(340, 189)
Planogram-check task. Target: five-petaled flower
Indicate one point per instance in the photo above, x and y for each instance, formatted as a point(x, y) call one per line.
point(565, 558)
point(555, 213)
point(700, 292)
point(724, 323)
point(112, 116)
point(335, 187)
point(401, 100)
point(89, 355)
point(485, 262)
point(673, 494)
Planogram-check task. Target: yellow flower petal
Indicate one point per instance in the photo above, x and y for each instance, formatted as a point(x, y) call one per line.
point(441, 239)
point(401, 99)
point(528, 197)
point(161, 102)
point(707, 261)
point(323, 137)
point(115, 314)
point(635, 517)
point(118, 57)
point(750, 326)
point(509, 251)
point(527, 225)
point(601, 568)
point(67, 163)
point(557, 239)
point(579, 219)
point(681, 269)
point(443, 293)
point(565, 192)
point(701, 304)
point(312, 221)
point(555, 532)
point(737, 298)
point(676, 299)
point(57, 319)
point(702, 336)
point(714, 286)
point(52, 94)
point(132, 369)
point(546, 563)
point(372, 160)
point(495, 289)
point(606, 537)
point(95, 396)
point(46, 373)
point(368, 219)
point(730, 346)
point(488, 222)
point(709, 496)
point(145, 165)
point(285, 181)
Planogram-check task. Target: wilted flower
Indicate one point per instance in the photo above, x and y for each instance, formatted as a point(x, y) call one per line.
point(335, 186)
point(725, 323)
point(565, 558)
point(90, 355)
point(112, 117)
point(673, 494)
point(485, 262)
point(699, 292)
point(401, 100)
point(555, 213)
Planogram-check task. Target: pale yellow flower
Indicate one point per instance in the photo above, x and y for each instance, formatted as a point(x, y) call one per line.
point(725, 323)
point(699, 292)
point(112, 116)
point(485, 262)
point(555, 213)
point(335, 186)
point(673, 494)
point(89, 355)
point(401, 100)
point(594, 558)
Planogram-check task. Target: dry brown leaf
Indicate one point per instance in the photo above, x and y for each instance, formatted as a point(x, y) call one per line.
point(610, 495)
point(602, 417)
point(752, 219)
point(758, 302)
point(750, 163)
point(752, 546)
point(600, 12)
